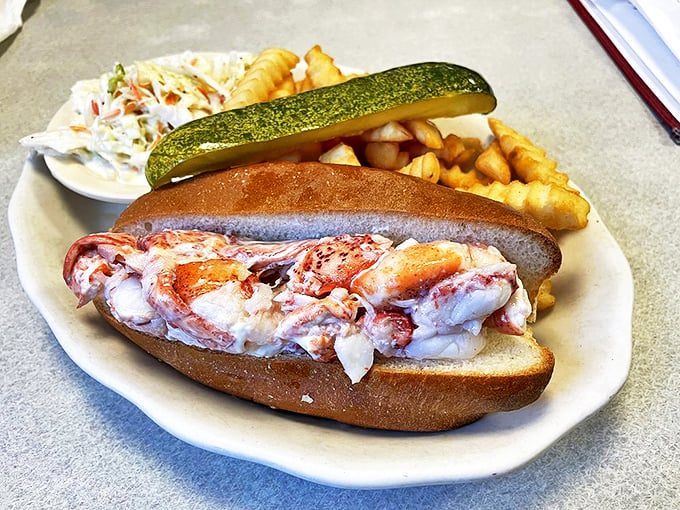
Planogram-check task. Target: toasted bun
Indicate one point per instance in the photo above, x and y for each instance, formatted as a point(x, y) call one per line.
point(285, 201)
point(396, 394)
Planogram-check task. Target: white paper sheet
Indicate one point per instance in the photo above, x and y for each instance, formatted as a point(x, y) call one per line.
point(664, 17)
point(641, 46)
point(10, 17)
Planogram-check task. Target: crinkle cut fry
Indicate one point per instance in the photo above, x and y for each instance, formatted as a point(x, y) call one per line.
point(285, 88)
point(510, 139)
point(321, 69)
point(552, 205)
point(528, 161)
point(455, 177)
point(270, 69)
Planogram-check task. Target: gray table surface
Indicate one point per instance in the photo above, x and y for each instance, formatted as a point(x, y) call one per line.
point(68, 442)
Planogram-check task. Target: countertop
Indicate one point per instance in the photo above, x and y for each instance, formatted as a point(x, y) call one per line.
point(67, 441)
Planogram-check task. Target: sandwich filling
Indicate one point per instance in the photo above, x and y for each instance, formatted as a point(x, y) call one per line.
point(342, 297)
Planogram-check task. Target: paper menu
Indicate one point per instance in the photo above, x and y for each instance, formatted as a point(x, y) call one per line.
point(664, 17)
point(639, 50)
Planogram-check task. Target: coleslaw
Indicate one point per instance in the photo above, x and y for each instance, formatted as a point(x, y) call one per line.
point(119, 117)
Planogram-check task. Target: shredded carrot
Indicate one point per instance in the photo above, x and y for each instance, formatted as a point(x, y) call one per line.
point(79, 129)
point(111, 114)
point(155, 141)
point(203, 91)
point(171, 98)
point(130, 107)
point(95, 107)
point(135, 91)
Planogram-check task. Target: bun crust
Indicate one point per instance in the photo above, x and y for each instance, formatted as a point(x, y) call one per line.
point(396, 394)
point(284, 201)
point(287, 201)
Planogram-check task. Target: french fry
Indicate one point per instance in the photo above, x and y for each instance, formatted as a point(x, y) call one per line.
point(321, 70)
point(492, 163)
point(508, 138)
point(267, 72)
point(454, 146)
point(455, 177)
point(528, 161)
point(385, 155)
point(285, 88)
point(545, 298)
point(530, 166)
point(470, 142)
point(341, 154)
point(391, 132)
point(426, 167)
point(466, 158)
point(452, 150)
point(552, 205)
point(426, 133)
point(303, 85)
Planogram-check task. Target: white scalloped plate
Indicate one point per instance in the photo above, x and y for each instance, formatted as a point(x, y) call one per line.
point(589, 331)
point(77, 177)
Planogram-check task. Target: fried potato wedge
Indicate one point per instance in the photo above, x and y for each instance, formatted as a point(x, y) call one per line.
point(341, 154)
point(385, 155)
point(391, 132)
point(492, 163)
point(426, 133)
point(426, 167)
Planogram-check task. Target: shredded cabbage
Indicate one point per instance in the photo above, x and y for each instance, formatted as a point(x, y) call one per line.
point(119, 117)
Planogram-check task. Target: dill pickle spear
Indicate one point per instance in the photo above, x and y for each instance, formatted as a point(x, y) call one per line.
point(263, 131)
